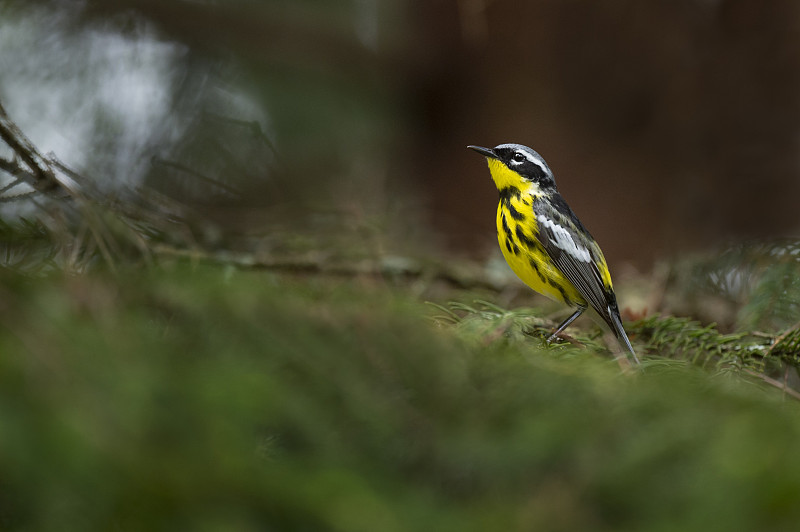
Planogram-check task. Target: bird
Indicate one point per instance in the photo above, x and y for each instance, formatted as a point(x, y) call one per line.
point(545, 243)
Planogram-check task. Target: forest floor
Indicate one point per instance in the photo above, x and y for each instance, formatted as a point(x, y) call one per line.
point(196, 396)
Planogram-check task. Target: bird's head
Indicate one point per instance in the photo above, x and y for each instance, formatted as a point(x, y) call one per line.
point(515, 165)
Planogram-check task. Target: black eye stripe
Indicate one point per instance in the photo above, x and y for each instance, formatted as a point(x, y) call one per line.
point(526, 162)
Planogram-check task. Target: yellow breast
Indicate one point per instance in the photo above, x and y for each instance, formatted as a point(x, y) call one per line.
point(517, 235)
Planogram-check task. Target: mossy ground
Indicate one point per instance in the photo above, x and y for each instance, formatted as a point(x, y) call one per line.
point(187, 397)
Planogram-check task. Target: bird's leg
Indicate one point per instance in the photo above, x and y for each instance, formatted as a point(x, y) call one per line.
point(565, 324)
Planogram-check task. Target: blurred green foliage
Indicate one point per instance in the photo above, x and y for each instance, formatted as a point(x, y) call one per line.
point(208, 398)
point(746, 286)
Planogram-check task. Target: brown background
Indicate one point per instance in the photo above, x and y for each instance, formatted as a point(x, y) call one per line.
point(671, 125)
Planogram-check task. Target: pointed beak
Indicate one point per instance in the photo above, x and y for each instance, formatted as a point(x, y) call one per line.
point(486, 152)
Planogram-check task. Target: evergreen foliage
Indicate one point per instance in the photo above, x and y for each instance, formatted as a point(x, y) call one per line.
point(205, 398)
point(27, 246)
point(179, 396)
point(759, 282)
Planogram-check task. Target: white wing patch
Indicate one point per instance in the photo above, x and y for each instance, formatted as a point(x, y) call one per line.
point(563, 240)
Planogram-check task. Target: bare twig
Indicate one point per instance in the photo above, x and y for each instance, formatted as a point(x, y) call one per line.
point(197, 175)
point(37, 170)
point(11, 185)
point(778, 342)
point(41, 174)
point(776, 383)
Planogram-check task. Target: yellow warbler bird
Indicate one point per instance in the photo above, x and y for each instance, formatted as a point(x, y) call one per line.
point(545, 243)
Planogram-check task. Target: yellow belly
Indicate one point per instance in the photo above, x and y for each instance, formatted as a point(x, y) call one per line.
point(543, 278)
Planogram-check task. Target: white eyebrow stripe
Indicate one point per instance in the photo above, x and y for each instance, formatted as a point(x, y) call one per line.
point(535, 160)
point(563, 240)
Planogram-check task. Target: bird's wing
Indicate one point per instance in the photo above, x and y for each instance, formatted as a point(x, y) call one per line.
point(575, 253)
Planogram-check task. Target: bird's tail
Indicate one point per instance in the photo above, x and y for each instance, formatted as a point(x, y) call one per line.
point(616, 327)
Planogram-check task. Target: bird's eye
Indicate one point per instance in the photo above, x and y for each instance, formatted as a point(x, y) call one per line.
point(518, 157)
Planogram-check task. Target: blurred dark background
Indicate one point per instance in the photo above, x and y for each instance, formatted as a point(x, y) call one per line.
point(671, 125)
